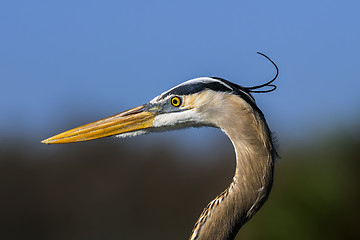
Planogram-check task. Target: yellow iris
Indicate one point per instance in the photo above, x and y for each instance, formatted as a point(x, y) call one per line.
point(176, 101)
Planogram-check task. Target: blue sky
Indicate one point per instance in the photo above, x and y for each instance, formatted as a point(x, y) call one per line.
point(84, 60)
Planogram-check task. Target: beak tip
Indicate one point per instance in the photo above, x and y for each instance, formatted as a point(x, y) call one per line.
point(46, 141)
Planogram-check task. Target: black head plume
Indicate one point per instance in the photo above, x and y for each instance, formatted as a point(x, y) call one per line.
point(267, 84)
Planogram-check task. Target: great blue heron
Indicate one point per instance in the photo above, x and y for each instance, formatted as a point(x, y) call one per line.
point(213, 102)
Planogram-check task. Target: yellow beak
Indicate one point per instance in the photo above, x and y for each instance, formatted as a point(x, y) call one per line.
point(128, 121)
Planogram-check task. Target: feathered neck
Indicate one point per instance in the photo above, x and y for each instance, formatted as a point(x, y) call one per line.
point(255, 153)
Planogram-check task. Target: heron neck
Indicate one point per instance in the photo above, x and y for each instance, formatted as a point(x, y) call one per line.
point(225, 215)
point(254, 170)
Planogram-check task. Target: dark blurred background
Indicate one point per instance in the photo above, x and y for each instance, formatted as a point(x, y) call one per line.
point(156, 189)
point(63, 64)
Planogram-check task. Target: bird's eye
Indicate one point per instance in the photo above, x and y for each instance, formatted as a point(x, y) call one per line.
point(176, 101)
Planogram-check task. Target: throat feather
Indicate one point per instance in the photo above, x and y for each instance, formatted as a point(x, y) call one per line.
point(209, 209)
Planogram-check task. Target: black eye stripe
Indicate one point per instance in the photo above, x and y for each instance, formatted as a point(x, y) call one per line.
point(197, 87)
point(216, 84)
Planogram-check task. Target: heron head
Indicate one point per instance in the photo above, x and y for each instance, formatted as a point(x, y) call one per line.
point(194, 103)
point(186, 105)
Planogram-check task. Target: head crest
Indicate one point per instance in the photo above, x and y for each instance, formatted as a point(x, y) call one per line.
point(267, 84)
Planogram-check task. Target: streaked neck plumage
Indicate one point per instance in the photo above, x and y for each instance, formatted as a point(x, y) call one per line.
point(255, 153)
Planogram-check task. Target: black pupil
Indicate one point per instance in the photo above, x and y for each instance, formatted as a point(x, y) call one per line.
point(175, 101)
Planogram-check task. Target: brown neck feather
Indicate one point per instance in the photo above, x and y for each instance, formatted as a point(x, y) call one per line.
point(255, 154)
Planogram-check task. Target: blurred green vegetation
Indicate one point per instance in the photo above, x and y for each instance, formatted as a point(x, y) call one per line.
point(128, 189)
